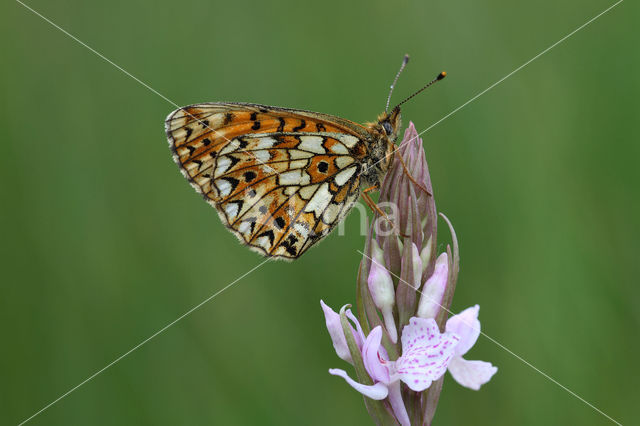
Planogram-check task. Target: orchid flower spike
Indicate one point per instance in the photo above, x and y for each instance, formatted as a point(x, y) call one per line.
point(405, 283)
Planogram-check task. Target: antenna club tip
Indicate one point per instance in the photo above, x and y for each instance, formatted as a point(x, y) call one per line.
point(405, 60)
point(442, 75)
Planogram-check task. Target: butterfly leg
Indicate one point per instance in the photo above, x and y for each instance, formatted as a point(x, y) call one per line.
point(373, 206)
point(412, 179)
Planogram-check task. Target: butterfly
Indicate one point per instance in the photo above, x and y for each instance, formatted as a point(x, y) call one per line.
point(281, 179)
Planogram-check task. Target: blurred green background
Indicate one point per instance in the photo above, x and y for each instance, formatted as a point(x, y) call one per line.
point(104, 243)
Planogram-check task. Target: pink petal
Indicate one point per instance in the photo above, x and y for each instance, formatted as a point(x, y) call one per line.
point(425, 353)
point(378, 391)
point(375, 365)
point(467, 327)
point(334, 326)
point(471, 374)
point(399, 409)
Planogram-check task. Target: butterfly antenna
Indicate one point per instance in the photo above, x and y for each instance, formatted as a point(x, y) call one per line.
point(440, 76)
point(405, 61)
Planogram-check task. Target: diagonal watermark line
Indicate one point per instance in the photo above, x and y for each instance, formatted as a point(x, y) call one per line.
point(91, 377)
point(100, 55)
point(399, 146)
point(506, 76)
point(259, 265)
point(521, 66)
point(500, 345)
point(192, 309)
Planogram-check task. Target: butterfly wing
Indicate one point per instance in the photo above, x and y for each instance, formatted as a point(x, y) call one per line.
point(280, 179)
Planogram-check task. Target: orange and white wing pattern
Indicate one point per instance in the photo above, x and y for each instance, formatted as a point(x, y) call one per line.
point(280, 179)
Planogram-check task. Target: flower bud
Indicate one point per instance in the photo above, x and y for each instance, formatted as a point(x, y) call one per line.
point(434, 288)
point(417, 266)
point(382, 292)
point(376, 252)
point(425, 254)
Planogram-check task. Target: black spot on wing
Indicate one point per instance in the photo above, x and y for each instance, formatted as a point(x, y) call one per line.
point(234, 161)
point(234, 183)
point(252, 220)
point(302, 125)
point(289, 244)
point(269, 234)
point(238, 203)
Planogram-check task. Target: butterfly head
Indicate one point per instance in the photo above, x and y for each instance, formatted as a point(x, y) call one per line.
point(389, 124)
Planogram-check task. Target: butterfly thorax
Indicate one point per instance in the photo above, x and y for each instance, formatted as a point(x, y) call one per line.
point(381, 146)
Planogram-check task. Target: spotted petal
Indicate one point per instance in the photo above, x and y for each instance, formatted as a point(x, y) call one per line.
point(425, 353)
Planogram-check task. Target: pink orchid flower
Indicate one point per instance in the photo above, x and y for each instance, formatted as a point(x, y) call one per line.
point(426, 353)
point(470, 374)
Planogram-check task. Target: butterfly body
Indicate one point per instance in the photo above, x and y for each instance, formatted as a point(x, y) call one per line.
point(281, 179)
point(384, 133)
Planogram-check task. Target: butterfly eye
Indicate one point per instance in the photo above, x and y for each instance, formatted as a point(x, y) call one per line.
point(387, 127)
